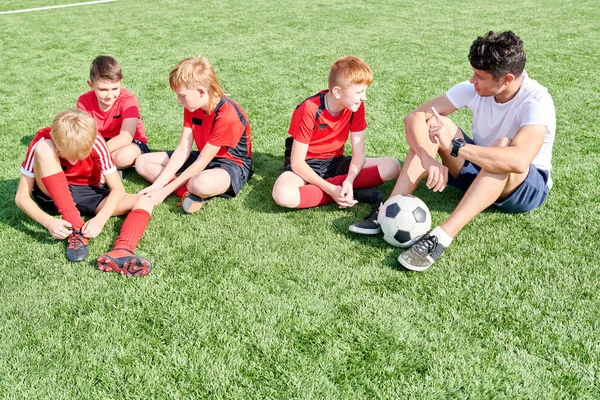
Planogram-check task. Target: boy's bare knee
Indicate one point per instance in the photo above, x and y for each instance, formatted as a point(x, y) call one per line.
point(283, 199)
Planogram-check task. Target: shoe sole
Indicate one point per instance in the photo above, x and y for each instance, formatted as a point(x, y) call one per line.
point(192, 203)
point(411, 267)
point(364, 231)
point(132, 266)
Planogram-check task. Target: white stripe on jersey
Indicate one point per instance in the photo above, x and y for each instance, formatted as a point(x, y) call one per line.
point(29, 159)
point(106, 161)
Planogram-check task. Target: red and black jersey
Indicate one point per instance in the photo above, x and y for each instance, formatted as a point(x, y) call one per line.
point(84, 172)
point(226, 127)
point(324, 133)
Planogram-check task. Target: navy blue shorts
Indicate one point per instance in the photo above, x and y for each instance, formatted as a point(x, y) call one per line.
point(143, 146)
point(528, 196)
point(238, 175)
point(86, 198)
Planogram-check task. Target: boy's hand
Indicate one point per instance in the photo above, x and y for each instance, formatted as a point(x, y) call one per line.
point(58, 228)
point(437, 174)
point(438, 131)
point(341, 200)
point(157, 196)
point(92, 228)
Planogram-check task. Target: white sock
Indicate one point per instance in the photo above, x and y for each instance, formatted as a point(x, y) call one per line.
point(443, 237)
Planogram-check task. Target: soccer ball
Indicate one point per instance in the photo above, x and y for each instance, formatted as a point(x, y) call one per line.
point(403, 218)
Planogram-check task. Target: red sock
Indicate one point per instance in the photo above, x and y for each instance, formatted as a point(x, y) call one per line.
point(367, 177)
point(58, 188)
point(312, 196)
point(180, 191)
point(132, 230)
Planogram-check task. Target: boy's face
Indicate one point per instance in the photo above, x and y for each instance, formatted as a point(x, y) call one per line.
point(192, 99)
point(107, 92)
point(352, 96)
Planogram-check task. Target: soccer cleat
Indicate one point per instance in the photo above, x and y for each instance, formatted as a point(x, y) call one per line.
point(124, 262)
point(77, 248)
point(422, 254)
point(191, 203)
point(368, 226)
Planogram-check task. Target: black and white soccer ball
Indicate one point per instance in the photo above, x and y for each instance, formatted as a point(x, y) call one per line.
point(403, 218)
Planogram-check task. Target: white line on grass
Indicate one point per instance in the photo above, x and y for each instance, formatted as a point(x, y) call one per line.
point(59, 6)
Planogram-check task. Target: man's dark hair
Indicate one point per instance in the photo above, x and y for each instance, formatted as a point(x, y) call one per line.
point(498, 54)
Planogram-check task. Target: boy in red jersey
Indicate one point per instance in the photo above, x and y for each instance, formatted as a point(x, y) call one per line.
point(316, 171)
point(60, 174)
point(221, 131)
point(116, 111)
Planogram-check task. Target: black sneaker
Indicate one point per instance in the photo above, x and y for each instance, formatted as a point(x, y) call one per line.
point(422, 254)
point(77, 249)
point(369, 225)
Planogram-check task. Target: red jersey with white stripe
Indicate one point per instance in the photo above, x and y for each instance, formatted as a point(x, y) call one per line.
point(324, 133)
point(84, 172)
point(109, 122)
point(227, 127)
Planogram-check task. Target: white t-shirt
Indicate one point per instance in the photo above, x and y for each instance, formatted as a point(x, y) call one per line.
point(532, 105)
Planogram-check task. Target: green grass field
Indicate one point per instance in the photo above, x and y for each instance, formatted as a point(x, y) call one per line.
point(247, 300)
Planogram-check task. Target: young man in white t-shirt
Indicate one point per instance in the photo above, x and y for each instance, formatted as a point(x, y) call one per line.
point(507, 162)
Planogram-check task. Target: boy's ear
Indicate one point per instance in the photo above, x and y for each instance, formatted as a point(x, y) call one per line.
point(337, 92)
point(90, 84)
point(509, 78)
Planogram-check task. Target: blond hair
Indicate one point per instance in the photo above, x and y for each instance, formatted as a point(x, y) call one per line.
point(73, 133)
point(196, 72)
point(348, 71)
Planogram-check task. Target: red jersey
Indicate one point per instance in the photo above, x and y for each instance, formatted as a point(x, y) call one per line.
point(109, 122)
point(324, 133)
point(227, 127)
point(84, 172)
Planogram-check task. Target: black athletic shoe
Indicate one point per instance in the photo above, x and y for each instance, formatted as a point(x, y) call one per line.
point(77, 249)
point(369, 225)
point(190, 203)
point(124, 262)
point(422, 254)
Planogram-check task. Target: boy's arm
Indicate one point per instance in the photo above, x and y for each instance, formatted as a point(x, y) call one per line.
point(177, 159)
point(94, 226)
point(357, 139)
point(206, 155)
point(125, 137)
point(57, 227)
point(304, 171)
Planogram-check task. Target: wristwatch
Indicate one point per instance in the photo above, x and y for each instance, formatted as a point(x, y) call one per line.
point(457, 143)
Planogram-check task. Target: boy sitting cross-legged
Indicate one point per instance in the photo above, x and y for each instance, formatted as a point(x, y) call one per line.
point(61, 173)
point(221, 131)
point(116, 111)
point(316, 171)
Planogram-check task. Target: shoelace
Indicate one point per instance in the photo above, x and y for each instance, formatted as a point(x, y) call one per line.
point(76, 240)
point(426, 244)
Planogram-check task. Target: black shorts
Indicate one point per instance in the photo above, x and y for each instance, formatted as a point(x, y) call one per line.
point(86, 198)
point(238, 175)
point(325, 168)
point(143, 146)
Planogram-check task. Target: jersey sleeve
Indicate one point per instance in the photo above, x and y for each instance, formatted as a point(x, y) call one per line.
point(27, 165)
point(358, 123)
point(187, 118)
point(227, 129)
point(303, 122)
point(461, 94)
point(130, 108)
point(102, 156)
point(539, 110)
